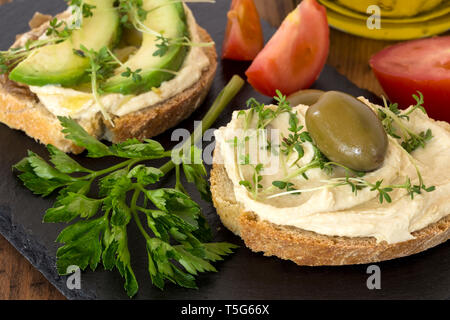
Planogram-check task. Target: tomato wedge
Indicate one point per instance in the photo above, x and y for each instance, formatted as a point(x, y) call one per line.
point(244, 36)
point(293, 59)
point(419, 65)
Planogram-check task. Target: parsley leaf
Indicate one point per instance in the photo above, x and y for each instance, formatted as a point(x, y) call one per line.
point(133, 149)
point(195, 172)
point(82, 244)
point(145, 175)
point(71, 206)
point(43, 170)
point(38, 185)
point(63, 162)
point(73, 131)
point(115, 183)
point(116, 254)
point(175, 202)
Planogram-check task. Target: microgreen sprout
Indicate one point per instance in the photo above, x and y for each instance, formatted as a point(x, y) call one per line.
point(391, 115)
point(102, 66)
point(12, 57)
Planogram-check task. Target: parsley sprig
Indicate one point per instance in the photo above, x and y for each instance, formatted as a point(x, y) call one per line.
point(175, 231)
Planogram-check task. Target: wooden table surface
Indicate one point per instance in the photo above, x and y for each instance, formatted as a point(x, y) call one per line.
point(349, 54)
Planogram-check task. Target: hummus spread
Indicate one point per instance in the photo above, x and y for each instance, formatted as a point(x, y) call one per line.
point(337, 211)
point(81, 105)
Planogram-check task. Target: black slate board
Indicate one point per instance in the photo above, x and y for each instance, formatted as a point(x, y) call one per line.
point(244, 275)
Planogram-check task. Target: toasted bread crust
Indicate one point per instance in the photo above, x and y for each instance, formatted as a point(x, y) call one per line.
point(309, 248)
point(19, 109)
point(24, 113)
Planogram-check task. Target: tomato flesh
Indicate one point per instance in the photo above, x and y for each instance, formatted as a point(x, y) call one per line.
point(419, 65)
point(293, 59)
point(244, 36)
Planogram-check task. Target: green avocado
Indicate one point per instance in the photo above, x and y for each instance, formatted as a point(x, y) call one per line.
point(57, 63)
point(169, 19)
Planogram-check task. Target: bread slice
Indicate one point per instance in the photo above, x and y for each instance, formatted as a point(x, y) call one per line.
point(20, 109)
point(306, 247)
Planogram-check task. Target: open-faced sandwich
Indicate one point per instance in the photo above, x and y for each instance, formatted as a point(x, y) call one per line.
point(123, 69)
point(343, 181)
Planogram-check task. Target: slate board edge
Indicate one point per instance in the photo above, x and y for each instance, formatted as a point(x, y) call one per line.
point(32, 250)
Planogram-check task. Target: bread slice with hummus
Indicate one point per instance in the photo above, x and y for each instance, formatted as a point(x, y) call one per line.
point(333, 226)
point(34, 109)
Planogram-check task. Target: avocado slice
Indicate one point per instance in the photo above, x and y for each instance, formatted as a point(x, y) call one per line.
point(57, 63)
point(169, 19)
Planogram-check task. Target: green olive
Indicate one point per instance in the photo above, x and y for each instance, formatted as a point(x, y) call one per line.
point(307, 97)
point(347, 131)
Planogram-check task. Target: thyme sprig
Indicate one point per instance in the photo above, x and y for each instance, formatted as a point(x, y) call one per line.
point(392, 118)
